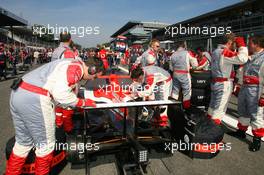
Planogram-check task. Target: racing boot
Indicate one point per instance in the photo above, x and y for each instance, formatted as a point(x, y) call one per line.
point(255, 145)
point(186, 104)
point(238, 134)
point(14, 164)
point(43, 164)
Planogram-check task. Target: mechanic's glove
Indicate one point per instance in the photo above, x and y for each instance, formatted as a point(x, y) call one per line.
point(67, 119)
point(86, 102)
point(236, 90)
point(240, 42)
point(59, 119)
point(261, 102)
point(89, 102)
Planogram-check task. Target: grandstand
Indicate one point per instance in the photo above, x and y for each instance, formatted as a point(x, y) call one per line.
point(245, 18)
point(15, 30)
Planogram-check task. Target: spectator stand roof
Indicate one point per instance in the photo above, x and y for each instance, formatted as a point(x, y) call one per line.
point(142, 29)
point(137, 31)
point(220, 16)
point(9, 19)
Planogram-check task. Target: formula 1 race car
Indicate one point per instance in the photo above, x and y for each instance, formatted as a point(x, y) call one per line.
point(118, 125)
point(126, 127)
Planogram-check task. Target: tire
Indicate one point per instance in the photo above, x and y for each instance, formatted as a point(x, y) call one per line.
point(200, 97)
point(201, 79)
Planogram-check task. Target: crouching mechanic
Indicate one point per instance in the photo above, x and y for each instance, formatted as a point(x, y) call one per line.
point(251, 94)
point(181, 63)
point(32, 108)
point(152, 83)
point(223, 61)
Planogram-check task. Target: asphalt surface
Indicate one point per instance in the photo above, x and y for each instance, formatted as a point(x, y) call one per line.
point(236, 161)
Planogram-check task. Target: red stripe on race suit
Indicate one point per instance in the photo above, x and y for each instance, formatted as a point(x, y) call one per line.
point(219, 79)
point(151, 64)
point(181, 71)
point(34, 89)
point(250, 80)
point(166, 81)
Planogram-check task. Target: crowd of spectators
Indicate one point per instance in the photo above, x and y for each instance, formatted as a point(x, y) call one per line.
point(19, 56)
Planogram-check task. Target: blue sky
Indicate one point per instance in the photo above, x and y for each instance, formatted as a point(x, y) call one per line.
point(109, 15)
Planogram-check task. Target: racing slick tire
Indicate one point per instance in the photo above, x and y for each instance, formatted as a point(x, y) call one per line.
point(201, 79)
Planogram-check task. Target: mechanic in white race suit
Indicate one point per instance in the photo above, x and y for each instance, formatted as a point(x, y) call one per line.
point(32, 108)
point(149, 82)
point(149, 57)
point(181, 62)
point(251, 94)
point(222, 66)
